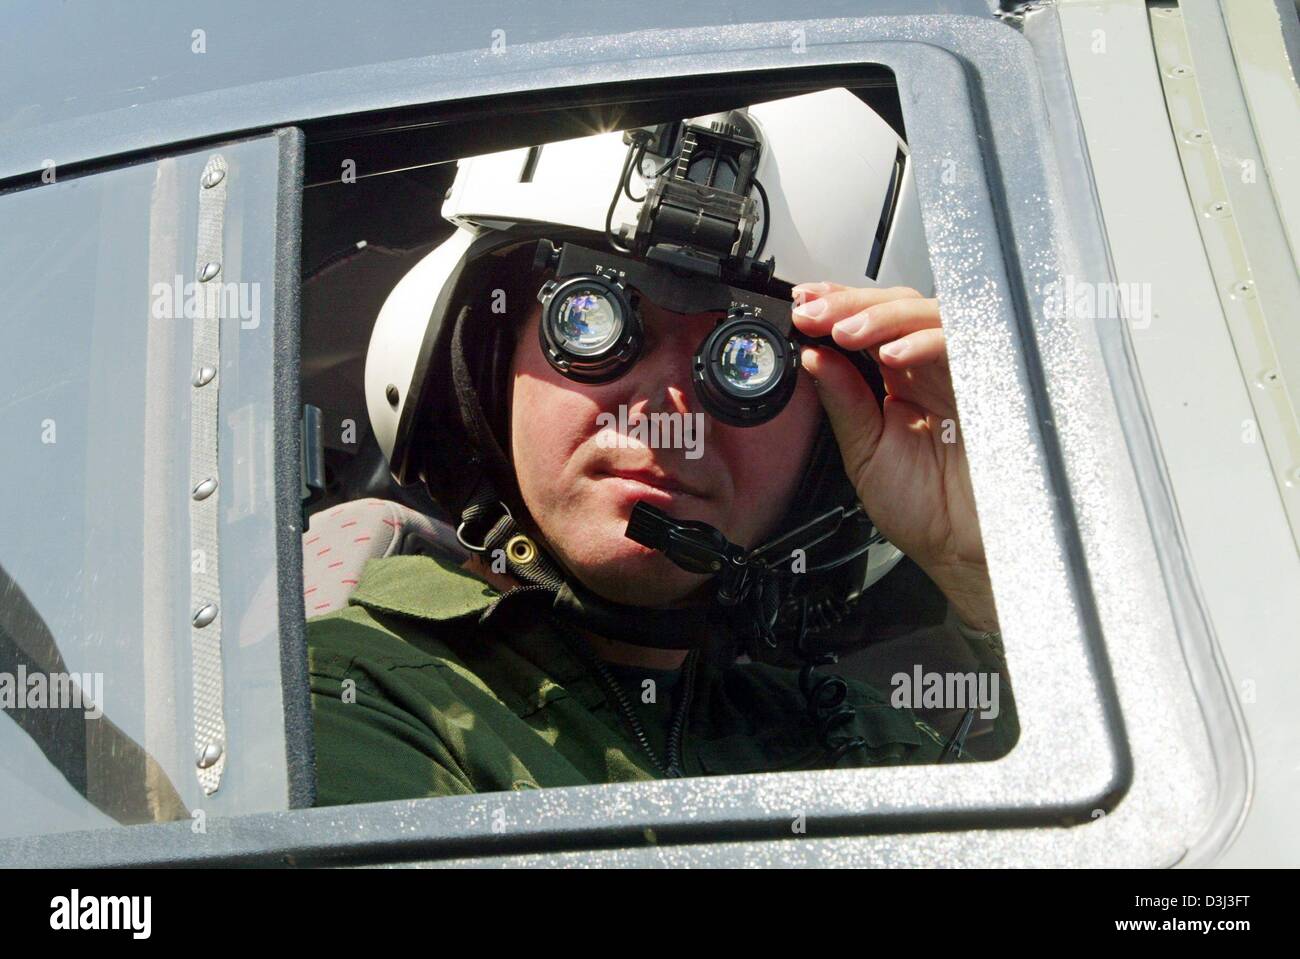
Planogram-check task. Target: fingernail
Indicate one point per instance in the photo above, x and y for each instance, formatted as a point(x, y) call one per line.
point(808, 291)
point(895, 350)
point(811, 310)
point(851, 325)
point(804, 355)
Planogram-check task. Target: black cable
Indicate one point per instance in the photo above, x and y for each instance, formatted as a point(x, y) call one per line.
point(955, 747)
point(622, 706)
point(824, 695)
point(627, 181)
point(857, 552)
point(663, 169)
point(767, 219)
point(618, 190)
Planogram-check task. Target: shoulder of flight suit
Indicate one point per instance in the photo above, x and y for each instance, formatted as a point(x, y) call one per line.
point(425, 591)
point(421, 587)
point(381, 690)
point(411, 697)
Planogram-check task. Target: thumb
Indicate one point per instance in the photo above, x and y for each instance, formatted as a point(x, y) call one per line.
point(849, 403)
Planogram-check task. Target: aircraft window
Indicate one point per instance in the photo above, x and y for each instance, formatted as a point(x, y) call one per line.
point(450, 625)
point(103, 721)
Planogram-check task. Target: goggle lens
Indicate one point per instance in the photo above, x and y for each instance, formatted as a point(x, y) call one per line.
point(588, 322)
point(747, 362)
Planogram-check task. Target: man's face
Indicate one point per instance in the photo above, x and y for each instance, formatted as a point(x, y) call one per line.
point(580, 476)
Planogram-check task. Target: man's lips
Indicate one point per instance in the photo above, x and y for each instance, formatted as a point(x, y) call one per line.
point(658, 482)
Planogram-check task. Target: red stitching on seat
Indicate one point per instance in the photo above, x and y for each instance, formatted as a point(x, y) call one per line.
point(350, 522)
point(322, 606)
point(361, 539)
point(336, 565)
point(312, 540)
point(350, 582)
point(324, 551)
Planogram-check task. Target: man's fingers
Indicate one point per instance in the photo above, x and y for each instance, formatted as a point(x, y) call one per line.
point(884, 322)
point(849, 403)
point(805, 292)
point(914, 349)
point(815, 317)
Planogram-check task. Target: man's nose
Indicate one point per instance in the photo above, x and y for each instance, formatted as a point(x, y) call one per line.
point(661, 380)
point(670, 399)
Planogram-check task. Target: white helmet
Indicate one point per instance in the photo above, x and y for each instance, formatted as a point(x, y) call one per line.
point(845, 211)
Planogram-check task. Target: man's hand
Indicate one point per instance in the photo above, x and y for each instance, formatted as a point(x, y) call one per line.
point(907, 461)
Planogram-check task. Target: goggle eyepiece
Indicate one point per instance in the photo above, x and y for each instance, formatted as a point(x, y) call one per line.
point(746, 369)
point(591, 331)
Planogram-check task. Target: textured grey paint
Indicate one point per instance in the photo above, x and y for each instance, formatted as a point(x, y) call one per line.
point(84, 79)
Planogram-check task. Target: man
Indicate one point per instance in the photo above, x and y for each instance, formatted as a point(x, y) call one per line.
point(552, 647)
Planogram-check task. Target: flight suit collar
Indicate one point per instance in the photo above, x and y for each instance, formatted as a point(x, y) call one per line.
point(421, 587)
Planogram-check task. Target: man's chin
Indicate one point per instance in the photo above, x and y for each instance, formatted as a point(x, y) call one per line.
point(637, 576)
point(622, 570)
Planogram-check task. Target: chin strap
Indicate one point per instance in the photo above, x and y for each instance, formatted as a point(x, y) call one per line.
point(685, 628)
point(507, 548)
point(743, 576)
point(488, 528)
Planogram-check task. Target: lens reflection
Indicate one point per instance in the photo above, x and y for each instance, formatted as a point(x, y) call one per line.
point(747, 363)
point(587, 322)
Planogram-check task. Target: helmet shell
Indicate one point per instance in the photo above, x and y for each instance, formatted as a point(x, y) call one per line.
point(828, 207)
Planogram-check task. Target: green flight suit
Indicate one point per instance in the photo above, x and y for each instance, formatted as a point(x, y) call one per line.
point(415, 693)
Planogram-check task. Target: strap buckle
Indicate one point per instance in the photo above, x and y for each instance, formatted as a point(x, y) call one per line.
point(473, 515)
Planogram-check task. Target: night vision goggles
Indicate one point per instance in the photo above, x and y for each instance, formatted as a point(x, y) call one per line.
point(591, 329)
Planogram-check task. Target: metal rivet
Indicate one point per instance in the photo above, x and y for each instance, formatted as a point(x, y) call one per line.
point(1268, 378)
point(1244, 289)
point(1180, 72)
point(212, 177)
point(204, 376)
point(205, 489)
point(521, 549)
point(209, 271)
point(1197, 136)
point(1219, 208)
point(205, 615)
point(211, 753)
point(392, 394)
